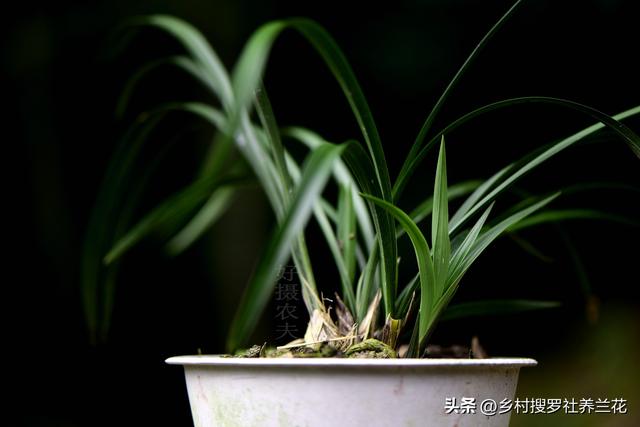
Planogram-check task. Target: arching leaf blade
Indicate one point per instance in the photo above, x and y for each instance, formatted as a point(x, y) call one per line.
point(426, 269)
point(440, 223)
point(406, 170)
point(315, 174)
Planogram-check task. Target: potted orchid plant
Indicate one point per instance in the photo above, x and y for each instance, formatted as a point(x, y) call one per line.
point(371, 343)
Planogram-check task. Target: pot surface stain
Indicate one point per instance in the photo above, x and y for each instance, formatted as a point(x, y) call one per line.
point(399, 388)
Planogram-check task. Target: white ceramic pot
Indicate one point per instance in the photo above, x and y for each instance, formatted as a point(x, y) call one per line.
point(226, 392)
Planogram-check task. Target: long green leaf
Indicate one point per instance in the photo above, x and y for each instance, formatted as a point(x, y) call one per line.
point(520, 170)
point(199, 49)
point(406, 169)
point(404, 297)
point(343, 176)
point(122, 220)
point(98, 283)
point(116, 204)
point(440, 223)
point(182, 204)
point(104, 218)
point(462, 251)
point(234, 95)
point(360, 165)
point(368, 284)
point(426, 270)
point(347, 230)
point(315, 174)
point(276, 149)
point(477, 195)
point(337, 252)
point(180, 61)
point(612, 122)
point(424, 209)
point(251, 64)
point(173, 210)
point(337, 63)
point(267, 118)
point(249, 69)
point(246, 77)
point(322, 212)
point(211, 211)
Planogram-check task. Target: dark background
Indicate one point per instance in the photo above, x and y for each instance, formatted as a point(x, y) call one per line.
point(60, 85)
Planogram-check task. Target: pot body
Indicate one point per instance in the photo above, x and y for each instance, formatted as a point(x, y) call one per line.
point(230, 392)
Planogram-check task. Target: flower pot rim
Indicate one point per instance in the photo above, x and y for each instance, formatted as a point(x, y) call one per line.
point(217, 360)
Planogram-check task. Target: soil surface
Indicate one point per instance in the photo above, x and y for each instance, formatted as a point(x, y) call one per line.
point(371, 348)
